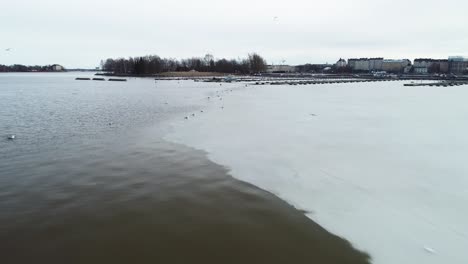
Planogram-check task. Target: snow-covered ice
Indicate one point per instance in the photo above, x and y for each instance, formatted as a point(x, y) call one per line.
point(382, 165)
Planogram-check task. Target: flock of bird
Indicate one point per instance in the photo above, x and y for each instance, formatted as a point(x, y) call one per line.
point(218, 96)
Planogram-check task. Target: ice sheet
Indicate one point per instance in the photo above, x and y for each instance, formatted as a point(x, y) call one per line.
point(382, 165)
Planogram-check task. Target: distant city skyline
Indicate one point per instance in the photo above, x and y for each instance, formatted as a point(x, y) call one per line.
point(78, 34)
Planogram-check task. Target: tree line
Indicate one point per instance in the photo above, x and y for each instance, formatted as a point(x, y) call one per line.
point(153, 64)
point(24, 68)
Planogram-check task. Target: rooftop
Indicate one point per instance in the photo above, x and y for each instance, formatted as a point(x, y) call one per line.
point(429, 59)
point(457, 58)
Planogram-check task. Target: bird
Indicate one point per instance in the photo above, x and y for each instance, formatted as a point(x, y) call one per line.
point(429, 250)
point(9, 49)
point(275, 18)
point(11, 137)
point(186, 117)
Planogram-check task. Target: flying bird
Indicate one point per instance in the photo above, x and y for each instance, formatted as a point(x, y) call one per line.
point(9, 49)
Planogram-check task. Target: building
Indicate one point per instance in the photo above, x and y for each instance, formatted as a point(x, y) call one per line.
point(396, 66)
point(375, 64)
point(366, 64)
point(341, 63)
point(443, 66)
point(280, 69)
point(458, 65)
point(361, 64)
point(312, 68)
point(421, 66)
point(352, 63)
point(57, 67)
point(425, 66)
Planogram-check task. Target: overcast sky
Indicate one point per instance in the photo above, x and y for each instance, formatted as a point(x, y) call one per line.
point(81, 33)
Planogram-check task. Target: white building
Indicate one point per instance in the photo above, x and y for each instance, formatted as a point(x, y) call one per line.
point(375, 64)
point(421, 66)
point(280, 69)
point(341, 63)
point(366, 64)
point(458, 64)
point(424, 66)
point(362, 65)
point(57, 67)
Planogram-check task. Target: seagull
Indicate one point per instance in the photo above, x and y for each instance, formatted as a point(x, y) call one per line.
point(9, 49)
point(186, 117)
point(11, 137)
point(275, 18)
point(429, 250)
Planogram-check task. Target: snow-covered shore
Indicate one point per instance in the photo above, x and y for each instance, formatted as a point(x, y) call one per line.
point(379, 164)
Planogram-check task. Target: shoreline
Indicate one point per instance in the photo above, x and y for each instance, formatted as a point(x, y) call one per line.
point(194, 75)
point(122, 194)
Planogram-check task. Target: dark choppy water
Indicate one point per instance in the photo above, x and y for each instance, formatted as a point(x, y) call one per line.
point(89, 180)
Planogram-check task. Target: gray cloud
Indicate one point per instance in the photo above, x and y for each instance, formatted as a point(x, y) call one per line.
point(81, 33)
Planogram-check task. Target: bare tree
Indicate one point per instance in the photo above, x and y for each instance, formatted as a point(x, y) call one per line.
point(257, 63)
point(154, 64)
